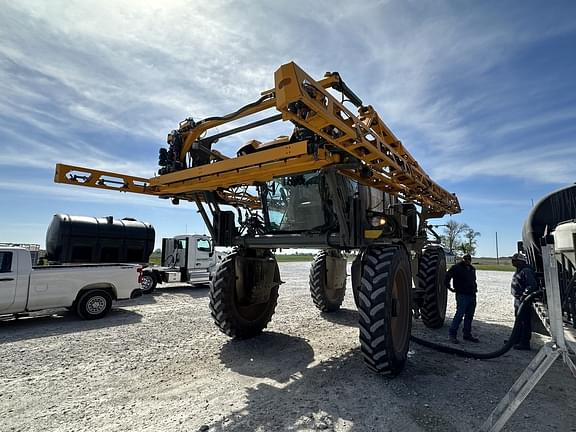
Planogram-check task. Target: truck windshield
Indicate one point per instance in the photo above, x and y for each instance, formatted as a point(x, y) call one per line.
point(294, 203)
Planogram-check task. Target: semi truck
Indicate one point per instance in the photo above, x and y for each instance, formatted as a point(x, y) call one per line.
point(86, 289)
point(189, 259)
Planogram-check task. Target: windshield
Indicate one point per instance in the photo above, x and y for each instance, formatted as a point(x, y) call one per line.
point(294, 203)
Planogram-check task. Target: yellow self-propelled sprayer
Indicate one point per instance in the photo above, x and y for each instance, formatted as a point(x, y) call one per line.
point(339, 182)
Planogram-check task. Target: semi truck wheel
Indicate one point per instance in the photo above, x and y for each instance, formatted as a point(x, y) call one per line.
point(244, 292)
point(93, 304)
point(328, 280)
point(431, 287)
point(384, 308)
point(148, 283)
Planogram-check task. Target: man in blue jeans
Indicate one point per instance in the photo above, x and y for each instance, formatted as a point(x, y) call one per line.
point(463, 276)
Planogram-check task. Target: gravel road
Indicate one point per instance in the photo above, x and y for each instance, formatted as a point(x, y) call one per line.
point(159, 364)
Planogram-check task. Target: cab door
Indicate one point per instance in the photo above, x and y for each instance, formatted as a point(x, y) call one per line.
point(8, 279)
point(174, 252)
point(204, 252)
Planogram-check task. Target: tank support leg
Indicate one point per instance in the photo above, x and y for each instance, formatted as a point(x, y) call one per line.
point(521, 388)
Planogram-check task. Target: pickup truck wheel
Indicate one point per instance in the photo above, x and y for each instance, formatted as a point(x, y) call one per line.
point(93, 304)
point(148, 283)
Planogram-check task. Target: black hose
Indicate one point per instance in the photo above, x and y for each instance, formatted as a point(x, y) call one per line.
point(479, 355)
point(237, 112)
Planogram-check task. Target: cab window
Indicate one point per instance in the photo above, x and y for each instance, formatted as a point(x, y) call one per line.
point(203, 245)
point(5, 262)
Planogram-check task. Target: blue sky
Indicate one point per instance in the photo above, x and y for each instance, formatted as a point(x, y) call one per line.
point(483, 94)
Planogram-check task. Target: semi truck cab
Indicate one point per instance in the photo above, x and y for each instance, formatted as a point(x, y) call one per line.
point(187, 259)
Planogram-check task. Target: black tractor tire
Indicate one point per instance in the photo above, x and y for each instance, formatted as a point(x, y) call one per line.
point(326, 298)
point(356, 277)
point(93, 304)
point(148, 284)
point(384, 308)
point(232, 318)
point(431, 287)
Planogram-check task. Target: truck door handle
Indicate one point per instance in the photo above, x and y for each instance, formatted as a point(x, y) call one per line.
point(6, 279)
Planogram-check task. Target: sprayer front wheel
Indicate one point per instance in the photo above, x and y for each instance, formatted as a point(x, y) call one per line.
point(384, 307)
point(240, 306)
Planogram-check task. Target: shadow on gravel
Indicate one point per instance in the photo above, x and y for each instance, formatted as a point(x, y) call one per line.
point(195, 291)
point(346, 317)
point(43, 325)
point(339, 392)
point(435, 392)
point(270, 355)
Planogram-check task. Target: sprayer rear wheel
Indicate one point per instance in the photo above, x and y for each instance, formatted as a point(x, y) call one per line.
point(432, 288)
point(326, 296)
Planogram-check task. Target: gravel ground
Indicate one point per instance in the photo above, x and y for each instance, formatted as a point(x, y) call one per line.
point(159, 364)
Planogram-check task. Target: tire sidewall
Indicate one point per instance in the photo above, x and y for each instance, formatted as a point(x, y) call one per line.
point(400, 262)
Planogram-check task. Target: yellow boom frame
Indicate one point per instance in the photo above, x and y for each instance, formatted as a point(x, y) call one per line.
point(384, 162)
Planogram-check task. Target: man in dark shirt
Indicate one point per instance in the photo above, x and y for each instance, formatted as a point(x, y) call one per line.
point(523, 283)
point(463, 276)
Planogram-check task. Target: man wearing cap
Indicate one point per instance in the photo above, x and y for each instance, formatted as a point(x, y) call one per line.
point(463, 275)
point(523, 283)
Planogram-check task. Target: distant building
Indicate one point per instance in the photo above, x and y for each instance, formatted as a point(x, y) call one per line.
point(450, 257)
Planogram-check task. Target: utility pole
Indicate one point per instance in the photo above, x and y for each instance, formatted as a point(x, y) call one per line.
point(497, 257)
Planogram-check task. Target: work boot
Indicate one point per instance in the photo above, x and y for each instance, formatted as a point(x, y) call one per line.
point(471, 338)
point(454, 339)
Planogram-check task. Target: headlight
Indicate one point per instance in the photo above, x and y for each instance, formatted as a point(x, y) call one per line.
point(378, 221)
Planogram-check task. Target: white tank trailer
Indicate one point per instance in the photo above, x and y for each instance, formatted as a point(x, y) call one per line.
point(555, 215)
point(565, 241)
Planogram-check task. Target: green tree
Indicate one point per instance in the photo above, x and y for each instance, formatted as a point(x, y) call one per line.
point(470, 242)
point(452, 235)
point(459, 237)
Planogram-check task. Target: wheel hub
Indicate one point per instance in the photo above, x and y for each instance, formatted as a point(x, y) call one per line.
point(96, 305)
point(146, 282)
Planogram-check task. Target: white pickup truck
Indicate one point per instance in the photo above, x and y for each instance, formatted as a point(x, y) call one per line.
point(86, 289)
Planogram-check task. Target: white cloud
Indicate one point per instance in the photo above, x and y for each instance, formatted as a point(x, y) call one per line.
point(137, 68)
point(536, 121)
point(548, 165)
